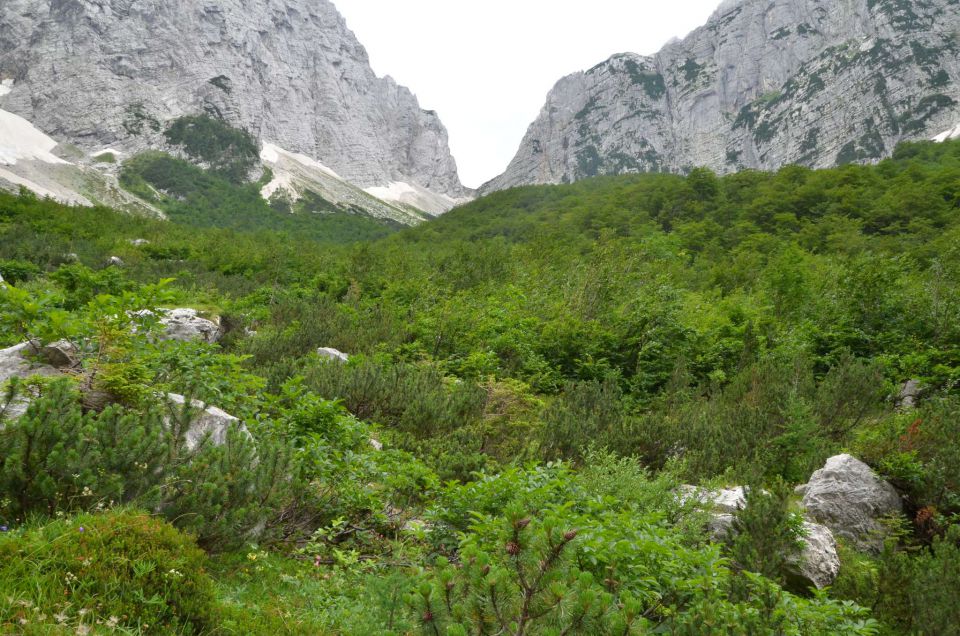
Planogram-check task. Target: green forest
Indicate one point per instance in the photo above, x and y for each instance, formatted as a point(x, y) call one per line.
point(532, 378)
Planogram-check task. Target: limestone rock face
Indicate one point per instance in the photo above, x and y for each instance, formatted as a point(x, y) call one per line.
point(107, 75)
point(848, 497)
point(763, 84)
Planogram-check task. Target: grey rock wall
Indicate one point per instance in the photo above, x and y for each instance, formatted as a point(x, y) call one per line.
point(110, 73)
point(763, 84)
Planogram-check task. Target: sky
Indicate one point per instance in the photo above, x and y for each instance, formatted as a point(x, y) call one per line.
point(486, 67)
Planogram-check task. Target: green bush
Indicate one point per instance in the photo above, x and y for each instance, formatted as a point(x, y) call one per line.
point(58, 458)
point(121, 570)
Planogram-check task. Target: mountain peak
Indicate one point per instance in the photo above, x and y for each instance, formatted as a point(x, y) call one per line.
point(762, 84)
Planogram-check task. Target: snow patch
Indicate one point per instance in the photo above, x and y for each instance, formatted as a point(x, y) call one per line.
point(22, 141)
point(107, 151)
point(5, 87)
point(272, 154)
point(953, 133)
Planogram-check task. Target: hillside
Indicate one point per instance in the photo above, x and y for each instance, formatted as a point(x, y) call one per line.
point(529, 383)
point(763, 84)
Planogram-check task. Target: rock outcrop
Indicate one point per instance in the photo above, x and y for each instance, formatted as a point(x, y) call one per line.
point(850, 499)
point(763, 84)
point(107, 76)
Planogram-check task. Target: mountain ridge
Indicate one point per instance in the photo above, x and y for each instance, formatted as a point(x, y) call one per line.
point(760, 85)
point(111, 74)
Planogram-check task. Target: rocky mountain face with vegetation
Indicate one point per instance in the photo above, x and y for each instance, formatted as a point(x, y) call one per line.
point(112, 74)
point(763, 84)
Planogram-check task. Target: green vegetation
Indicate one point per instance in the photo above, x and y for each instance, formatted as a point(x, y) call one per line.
point(229, 152)
point(543, 367)
point(204, 198)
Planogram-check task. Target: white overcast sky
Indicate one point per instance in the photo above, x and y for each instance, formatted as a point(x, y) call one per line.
point(486, 67)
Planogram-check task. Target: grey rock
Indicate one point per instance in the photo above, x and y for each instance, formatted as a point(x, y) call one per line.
point(139, 242)
point(763, 84)
point(61, 354)
point(209, 425)
point(720, 526)
point(185, 325)
point(16, 362)
point(848, 497)
point(329, 353)
point(376, 444)
point(115, 261)
point(818, 565)
point(909, 392)
point(110, 74)
point(727, 500)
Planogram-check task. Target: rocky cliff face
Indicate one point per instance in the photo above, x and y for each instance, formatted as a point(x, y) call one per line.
point(764, 83)
point(110, 73)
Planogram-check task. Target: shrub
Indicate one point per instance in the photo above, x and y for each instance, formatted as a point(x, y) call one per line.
point(122, 569)
point(58, 458)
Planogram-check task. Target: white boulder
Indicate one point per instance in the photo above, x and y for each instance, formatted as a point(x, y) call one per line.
point(332, 354)
point(818, 564)
point(848, 497)
point(208, 423)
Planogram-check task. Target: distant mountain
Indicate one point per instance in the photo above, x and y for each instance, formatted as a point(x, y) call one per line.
point(107, 77)
point(763, 84)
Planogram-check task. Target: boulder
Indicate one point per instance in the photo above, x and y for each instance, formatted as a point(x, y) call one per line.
point(848, 497)
point(727, 500)
point(376, 444)
point(209, 423)
point(817, 565)
point(184, 325)
point(332, 354)
point(61, 354)
point(139, 242)
point(909, 392)
point(115, 261)
point(16, 363)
